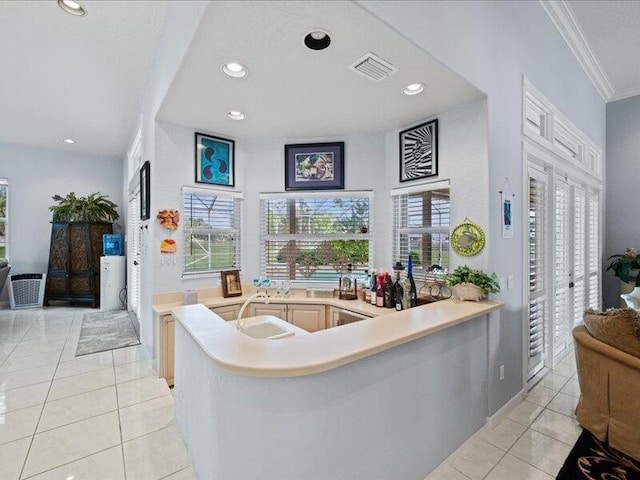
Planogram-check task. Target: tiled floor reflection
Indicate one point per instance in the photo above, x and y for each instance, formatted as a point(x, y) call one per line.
point(534, 440)
point(103, 416)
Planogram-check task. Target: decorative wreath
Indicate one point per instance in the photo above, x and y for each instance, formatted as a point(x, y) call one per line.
point(467, 239)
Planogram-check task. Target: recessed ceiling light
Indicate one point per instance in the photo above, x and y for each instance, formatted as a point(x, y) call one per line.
point(236, 115)
point(74, 8)
point(234, 69)
point(413, 89)
point(70, 141)
point(317, 40)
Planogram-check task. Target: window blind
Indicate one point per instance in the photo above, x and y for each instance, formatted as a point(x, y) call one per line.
point(421, 221)
point(593, 250)
point(4, 212)
point(538, 302)
point(561, 314)
point(579, 251)
point(211, 225)
point(313, 238)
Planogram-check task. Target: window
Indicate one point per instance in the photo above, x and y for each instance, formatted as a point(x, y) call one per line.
point(4, 211)
point(421, 219)
point(312, 237)
point(211, 230)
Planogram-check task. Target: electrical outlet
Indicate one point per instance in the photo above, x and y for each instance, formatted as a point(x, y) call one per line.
point(502, 283)
point(510, 282)
point(501, 372)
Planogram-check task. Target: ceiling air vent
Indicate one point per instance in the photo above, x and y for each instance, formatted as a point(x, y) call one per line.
point(373, 67)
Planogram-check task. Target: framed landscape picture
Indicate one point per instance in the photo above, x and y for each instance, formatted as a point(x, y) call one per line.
point(230, 281)
point(314, 166)
point(419, 151)
point(215, 160)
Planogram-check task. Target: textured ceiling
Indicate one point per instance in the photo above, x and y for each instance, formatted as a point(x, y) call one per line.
point(295, 92)
point(78, 77)
point(613, 31)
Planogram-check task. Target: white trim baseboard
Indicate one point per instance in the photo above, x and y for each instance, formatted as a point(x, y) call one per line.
point(501, 414)
point(4, 305)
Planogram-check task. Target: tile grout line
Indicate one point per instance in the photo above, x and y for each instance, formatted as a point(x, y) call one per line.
point(124, 463)
point(44, 404)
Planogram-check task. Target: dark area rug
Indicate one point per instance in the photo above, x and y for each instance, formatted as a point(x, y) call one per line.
point(590, 459)
point(104, 331)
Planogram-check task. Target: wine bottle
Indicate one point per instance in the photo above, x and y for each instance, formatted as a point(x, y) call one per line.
point(398, 292)
point(380, 290)
point(367, 286)
point(373, 286)
point(413, 292)
point(388, 292)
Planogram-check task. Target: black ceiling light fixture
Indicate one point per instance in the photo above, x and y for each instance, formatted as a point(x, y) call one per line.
point(317, 40)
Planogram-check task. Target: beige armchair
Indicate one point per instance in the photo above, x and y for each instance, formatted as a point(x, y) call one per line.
point(610, 388)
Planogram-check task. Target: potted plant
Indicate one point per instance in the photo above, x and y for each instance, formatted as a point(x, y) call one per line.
point(470, 284)
point(626, 265)
point(92, 208)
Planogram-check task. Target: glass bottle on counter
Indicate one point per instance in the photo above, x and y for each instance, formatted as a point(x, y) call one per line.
point(367, 286)
point(398, 291)
point(413, 292)
point(380, 290)
point(388, 291)
point(348, 285)
point(373, 287)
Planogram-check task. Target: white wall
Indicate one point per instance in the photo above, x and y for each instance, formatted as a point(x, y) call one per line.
point(35, 175)
point(371, 163)
point(462, 159)
point(492, 44)
point(623, 159)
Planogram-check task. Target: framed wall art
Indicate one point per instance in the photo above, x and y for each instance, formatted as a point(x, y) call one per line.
point(419, 151)
point(215, 159)
point(230, 281)
point(314, 166)
point(145, 191)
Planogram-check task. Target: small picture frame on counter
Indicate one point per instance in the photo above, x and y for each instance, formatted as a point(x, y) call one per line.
point(230, 281)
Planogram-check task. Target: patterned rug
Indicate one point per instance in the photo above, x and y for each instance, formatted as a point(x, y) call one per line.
point(103, 331)
point(590, 459)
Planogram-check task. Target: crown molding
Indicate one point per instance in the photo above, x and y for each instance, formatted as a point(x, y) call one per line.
point(567, 24)
point(626, 93)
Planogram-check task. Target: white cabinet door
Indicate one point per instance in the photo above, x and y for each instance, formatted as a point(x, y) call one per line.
point(308, 317)
point(228, 313)
point(276, 309)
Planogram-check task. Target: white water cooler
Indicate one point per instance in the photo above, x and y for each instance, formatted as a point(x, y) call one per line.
point(112, 278)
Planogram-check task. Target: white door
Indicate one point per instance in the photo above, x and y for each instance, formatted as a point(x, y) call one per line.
point(133, 252)
point(538, 304)
point(593, 249)
point(579, 248)
point(562, 311)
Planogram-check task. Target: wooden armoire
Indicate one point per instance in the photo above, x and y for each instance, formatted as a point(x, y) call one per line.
point(74, 262)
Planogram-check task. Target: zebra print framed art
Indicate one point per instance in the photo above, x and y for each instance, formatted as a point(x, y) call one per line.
point(419, 151)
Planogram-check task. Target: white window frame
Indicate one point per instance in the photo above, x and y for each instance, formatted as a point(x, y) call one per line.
point(397, 194)
point(236, 230)
point(4, 182)
point(341, 236)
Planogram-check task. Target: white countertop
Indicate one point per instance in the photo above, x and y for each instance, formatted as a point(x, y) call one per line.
point(237, 353)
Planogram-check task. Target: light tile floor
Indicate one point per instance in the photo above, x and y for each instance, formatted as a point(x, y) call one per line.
point(106, 416)
point(101, 416)
point(534, 440)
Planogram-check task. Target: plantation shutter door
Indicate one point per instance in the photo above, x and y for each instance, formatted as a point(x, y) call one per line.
point(538, 296)
point(133, 245)
point(579, 253)
point(593, 249)
point(562, 315)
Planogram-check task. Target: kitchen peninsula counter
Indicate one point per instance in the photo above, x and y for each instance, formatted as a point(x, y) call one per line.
point(234, 352)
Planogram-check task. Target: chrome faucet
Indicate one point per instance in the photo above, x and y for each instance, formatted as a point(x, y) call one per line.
point(239, 322)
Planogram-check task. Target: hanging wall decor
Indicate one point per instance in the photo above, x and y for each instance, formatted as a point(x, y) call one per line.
point(506, 204)
point(467, 239)
point(169, 218)
point(314, 166)
point(215, 160)
point(419, 151)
